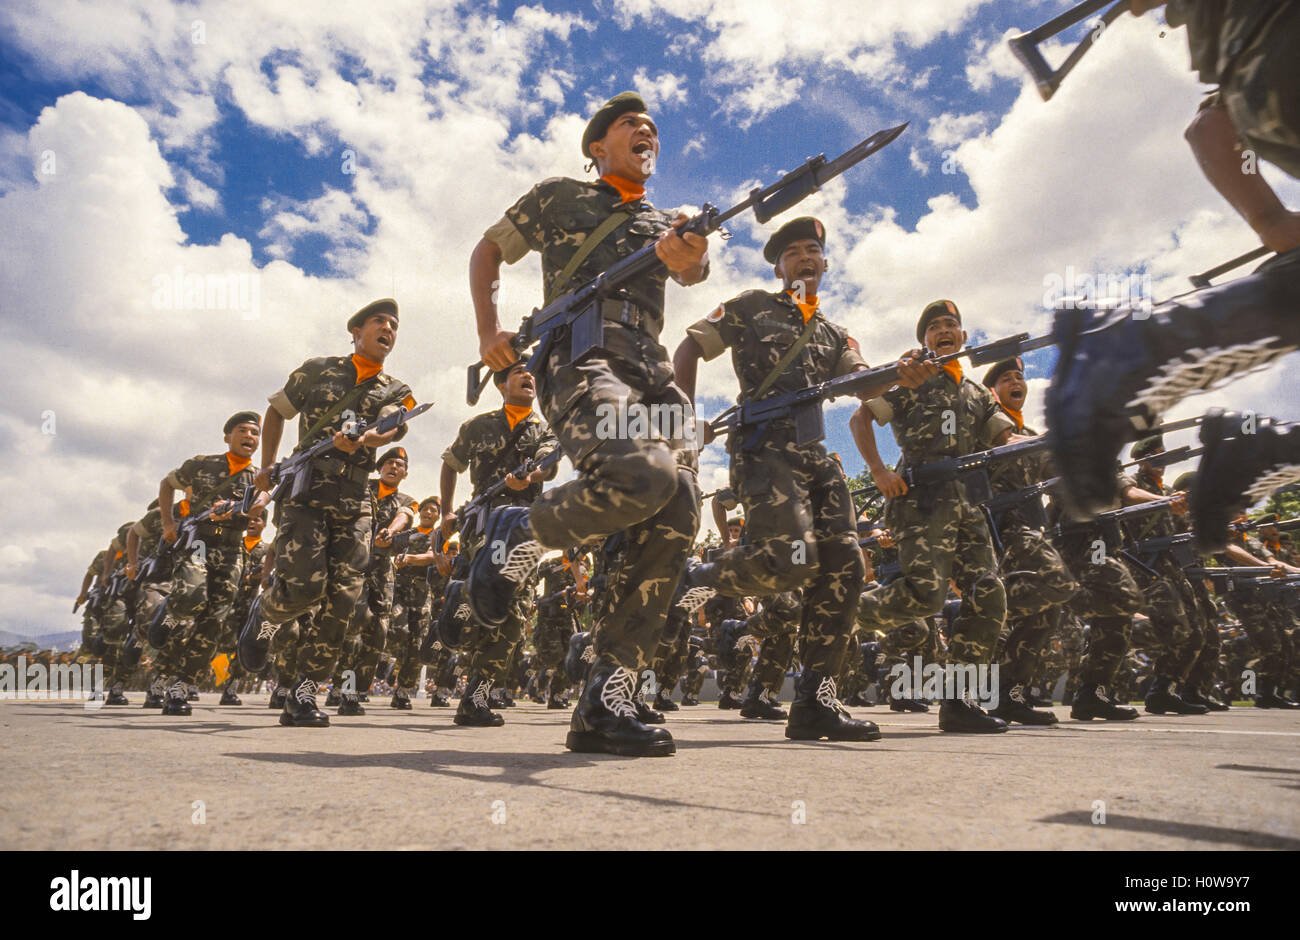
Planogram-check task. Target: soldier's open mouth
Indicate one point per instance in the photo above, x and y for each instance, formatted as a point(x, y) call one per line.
point(642, 147)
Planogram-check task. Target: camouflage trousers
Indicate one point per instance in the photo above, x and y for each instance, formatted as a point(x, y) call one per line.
point(322, 551)
point(406, 626)
point(800, 533)
point(949, 541)
point(551, 642)
point(641, 487)
point(367, 635)
point(1261, 91)
point(1108, 598)
point(776, 623)
point(1171, 605)
point(1038, 583)
point(1265, 623)
point(1205, 670)
point(200, 603)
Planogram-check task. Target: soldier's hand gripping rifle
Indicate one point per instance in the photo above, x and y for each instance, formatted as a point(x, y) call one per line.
point(1110, 525)
point(292, 475)
point(577, 315)
point(1248, 578)
point(1025, 46)
point(470, 516)
point(804, 406)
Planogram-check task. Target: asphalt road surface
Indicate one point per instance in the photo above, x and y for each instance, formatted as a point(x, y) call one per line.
point(232, 778)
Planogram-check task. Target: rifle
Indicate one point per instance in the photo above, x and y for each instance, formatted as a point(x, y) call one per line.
point(1178, 545)
point(1110, 524)
point(999, 503)
point(293, 473)
point(1025, 46)
point(804, 405)
point(473, 510)
point(578, 313)
point(972, 469)
point(1168, 457)
point(1202, 280)
point(1260, 579)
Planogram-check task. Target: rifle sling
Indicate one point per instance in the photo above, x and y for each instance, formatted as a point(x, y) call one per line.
point(351, 398)
point(785, 360)
point(589, 244)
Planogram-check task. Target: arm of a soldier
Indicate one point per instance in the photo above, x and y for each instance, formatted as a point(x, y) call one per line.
point(686, 256)
point(864, 436)
point(447, 493)
point(1216, 144)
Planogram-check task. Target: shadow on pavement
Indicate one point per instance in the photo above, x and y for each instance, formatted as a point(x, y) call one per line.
point(1179, 830)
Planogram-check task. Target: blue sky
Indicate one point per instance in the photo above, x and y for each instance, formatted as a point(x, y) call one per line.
point(225, 157)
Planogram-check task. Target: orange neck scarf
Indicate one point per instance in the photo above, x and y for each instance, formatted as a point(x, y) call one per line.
point(385, 490)
point(517, 413)
point(629, 190)
point(365, 368)
point(423, 530)
point(1015, 416)
point(1274, 547)
point(237, 463)
point(251, 542)
point(807, 308)
point(954, 369)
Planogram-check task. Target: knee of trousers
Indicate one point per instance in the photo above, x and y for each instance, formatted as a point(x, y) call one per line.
point(988, 598)
point(647, 477)
point(840, 558)
point(285, 601)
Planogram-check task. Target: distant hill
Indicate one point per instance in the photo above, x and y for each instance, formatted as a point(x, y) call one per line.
point(68, 640)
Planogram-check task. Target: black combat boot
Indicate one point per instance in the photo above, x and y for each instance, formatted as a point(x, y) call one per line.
point(507, 698)
point(350, 705)
point(1274, 698)
point(644, 713)
point(192, 693)
point(255, 638)
point(579, 656)
point(116, 695)
point(439, 699)
point(300, 709)
point(156, 694)
point(727, 701)
point(1242, 464)
point(1162, 698)
point(278, 696)
point(334, 699)
point(963, 716)
point(228, 696)
point(401, 699)
point(491, 586)
point(558, 700)
point(605, 720)
point(908, 705)
point(1013, 705)
point(816, 713)
point(689, 701)
point(664, 702)
point(497, 700)
point(760, 703)
point(1119, 370)
point(1091, 701)
point(473, 710)
point(177, 700)
point(1195, 696)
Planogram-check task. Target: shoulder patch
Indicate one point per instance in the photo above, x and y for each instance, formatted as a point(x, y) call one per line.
point(717, 314)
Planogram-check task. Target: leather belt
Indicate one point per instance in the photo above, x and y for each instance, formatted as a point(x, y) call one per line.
point(333, 466)
point(625, 312)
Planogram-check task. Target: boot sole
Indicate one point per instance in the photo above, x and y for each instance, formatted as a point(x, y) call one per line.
point(813, 735)
point(1001, 730)
point(290, 722)
point(588, 742)
point(466, 723)
point(1103, 717)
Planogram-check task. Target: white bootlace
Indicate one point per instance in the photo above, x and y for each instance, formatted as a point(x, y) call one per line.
point(589, 654)
point(695, 598)
point(462, 613)
point(177, 690)
point(617, 694)
point(1279, 476)
point(826, 695)
point(522, 560)
point(268, 630)
point(1018, 694)
point(306, 693)
point(480, 694)
point(1207, 369)
point(158, 687)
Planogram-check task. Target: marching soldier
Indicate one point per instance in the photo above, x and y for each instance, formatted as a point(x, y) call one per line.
point(411, 603)
point(322, 541)
point(643, 487)
point(491, 447)
point(939, 532)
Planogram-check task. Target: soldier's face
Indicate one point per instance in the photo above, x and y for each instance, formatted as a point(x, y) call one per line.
point(1011, 389)
point(393, 471)
point(255, 526)
point(802, 263)
point(1270, 532)
point(242, 439)
point(428, 514)
point(944, 335)
point(629, 148)
point(519, 388)
point(376, 338)
point(734, 532)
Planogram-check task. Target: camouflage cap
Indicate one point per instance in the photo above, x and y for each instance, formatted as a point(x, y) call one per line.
point(1147, 446)
point(935, 308)
point(399, 452)
point(1006, 365)
point(600, 122)
point(383, 305)
point(241, 417)
point(803, 227)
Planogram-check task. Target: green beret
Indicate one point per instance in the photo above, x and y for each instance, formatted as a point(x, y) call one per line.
point(392, 452)
point(1144, 448)
point(386, 305)
point(599, 124)
point(1015, 363)
point(500, 375)
point(1185, 481)
point(241, 417)
point(935, 309)
point(794, 230)
point(736, 520)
